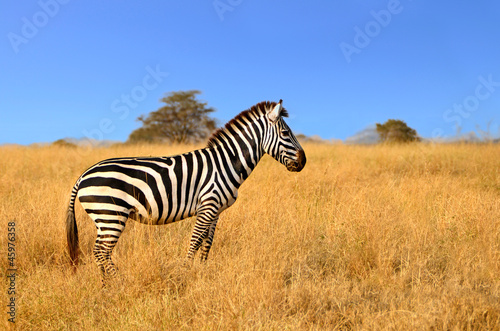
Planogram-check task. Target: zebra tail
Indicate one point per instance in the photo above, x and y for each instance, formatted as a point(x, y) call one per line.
point(72, 229)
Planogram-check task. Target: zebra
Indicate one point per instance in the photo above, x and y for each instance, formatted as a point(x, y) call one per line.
point(162, 190)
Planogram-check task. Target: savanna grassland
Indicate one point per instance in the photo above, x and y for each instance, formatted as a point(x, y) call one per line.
point(365, 237)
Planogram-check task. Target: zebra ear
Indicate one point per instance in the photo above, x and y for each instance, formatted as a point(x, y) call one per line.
point(276, 112)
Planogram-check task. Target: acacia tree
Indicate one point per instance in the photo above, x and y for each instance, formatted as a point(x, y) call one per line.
point(183, 119)
point(396, 131)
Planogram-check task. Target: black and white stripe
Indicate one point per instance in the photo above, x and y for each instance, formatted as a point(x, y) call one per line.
point(162, 190)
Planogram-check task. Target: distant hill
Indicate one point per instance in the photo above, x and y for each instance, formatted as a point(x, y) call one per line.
point(469, 137)
point(86, 142)
point(317, 139)
point(367, 136)
point(370, 136)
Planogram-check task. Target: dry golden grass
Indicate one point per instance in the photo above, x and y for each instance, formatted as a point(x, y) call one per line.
point(381, 237)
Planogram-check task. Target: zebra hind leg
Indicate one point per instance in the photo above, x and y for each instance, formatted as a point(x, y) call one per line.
point(108, 234)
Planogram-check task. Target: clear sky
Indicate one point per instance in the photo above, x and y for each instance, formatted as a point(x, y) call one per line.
point(73, 68)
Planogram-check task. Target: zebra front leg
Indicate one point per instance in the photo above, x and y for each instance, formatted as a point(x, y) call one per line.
point(200, 232)
point(207, 240)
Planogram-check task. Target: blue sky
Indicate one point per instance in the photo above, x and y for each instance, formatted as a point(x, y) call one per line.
point(90, 68)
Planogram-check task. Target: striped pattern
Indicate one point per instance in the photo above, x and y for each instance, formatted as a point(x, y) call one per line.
point(162, 190)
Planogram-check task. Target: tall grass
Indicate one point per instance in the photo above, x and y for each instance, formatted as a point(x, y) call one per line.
point(380, 237)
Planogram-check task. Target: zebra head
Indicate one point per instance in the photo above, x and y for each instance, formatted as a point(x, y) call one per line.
point(280, 142)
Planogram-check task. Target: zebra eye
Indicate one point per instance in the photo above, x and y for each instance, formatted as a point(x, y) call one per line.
point(285, 133)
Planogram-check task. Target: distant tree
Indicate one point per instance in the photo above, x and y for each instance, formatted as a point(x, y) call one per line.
point(183, 119)
point(396, 131)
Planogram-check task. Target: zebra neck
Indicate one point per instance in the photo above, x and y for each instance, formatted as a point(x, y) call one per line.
point(239, 154)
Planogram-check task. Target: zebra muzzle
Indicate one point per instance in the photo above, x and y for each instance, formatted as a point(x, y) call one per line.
point(298, 164)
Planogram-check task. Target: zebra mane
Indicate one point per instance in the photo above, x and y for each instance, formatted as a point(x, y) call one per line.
point(259, 109)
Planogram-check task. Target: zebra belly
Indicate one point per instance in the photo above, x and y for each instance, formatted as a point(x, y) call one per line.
point(150, 190)
point(107, 203)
